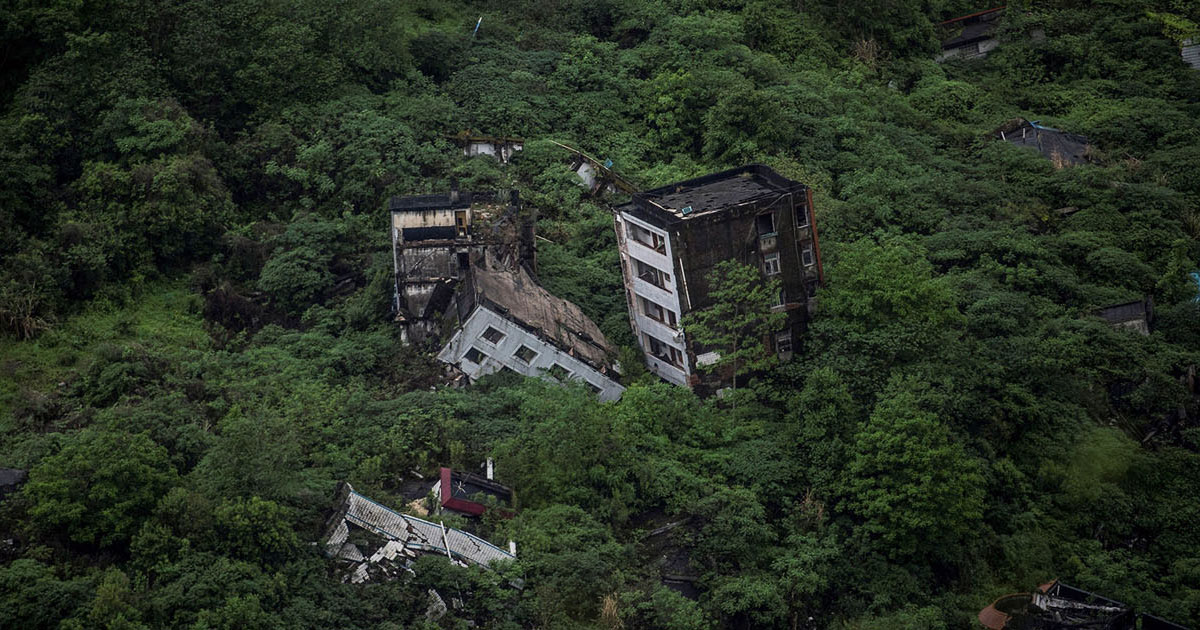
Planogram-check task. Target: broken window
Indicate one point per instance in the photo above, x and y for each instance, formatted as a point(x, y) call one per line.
point(653, 310)
point(806, 255)
point(803, 218)
point(595, 388)
point(653, 240)
point(475, 356)
point(525, 354)
point(771, 264)
point(559, 372)
point(460, 222)
point(783, 342)
point(765, 223)
point(492, 335)
point(664, 352)
point(653, 275)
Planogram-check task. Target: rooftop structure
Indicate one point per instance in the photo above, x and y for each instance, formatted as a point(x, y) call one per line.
point(372, 538)
point(670, 239)
point(970, 36)
point(1060, 147)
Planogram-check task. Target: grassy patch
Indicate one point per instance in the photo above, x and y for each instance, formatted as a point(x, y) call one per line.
point(165, 316)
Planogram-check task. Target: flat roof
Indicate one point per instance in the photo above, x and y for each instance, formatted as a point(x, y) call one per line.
point(440, 201)
point(712, 193)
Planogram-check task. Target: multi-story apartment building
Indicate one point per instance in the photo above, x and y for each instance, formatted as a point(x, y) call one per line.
point(670, 239)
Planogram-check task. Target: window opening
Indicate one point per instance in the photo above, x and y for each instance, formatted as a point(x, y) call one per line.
point(652, 274)
point(525, 354)
point(492, 335)
point(806, 255)
point(766, 223)
point(771, 264)
point(475, 356)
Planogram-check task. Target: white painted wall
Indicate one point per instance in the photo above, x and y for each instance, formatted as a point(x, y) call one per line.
point(631, 252)
point(501, 354)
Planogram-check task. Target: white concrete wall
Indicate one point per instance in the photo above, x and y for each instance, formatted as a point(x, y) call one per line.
point(426, 218)
point(631, 252)
point(501, 354)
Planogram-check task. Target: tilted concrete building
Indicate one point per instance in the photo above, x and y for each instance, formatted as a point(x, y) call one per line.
point(670, 238)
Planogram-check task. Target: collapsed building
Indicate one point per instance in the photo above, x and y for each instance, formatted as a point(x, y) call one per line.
point(670, 238)
point(1058, 606)
point(376, 543)
point(1056, 145)
point(466, 281)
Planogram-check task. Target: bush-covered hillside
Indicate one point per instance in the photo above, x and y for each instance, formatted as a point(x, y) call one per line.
point(195, 287)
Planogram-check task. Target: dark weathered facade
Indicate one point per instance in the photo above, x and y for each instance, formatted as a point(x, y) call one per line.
point(671, 238)
point(970, 36)
point(435, 239)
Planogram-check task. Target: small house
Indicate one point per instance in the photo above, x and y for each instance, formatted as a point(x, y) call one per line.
point(970, 36)
point(500, 147)
point(471, 494)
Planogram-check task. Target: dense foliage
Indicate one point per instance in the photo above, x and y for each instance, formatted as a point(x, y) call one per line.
point(195, 290)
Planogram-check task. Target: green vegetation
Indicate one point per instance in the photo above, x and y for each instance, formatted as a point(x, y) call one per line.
point(197, 346)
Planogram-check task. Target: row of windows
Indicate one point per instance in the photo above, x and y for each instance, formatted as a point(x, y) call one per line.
point(765, 223)
point(771, 261)
point(526, 355)
point(657, 312)
point(653, 275)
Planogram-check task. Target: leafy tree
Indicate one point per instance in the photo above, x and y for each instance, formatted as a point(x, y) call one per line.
point(99, 488)
point(916, 490)
point(738, 321)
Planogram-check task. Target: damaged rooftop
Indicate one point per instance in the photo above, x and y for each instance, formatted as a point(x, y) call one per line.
point(702, 195)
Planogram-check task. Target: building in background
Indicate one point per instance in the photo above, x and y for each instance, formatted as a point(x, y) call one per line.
point(970, 36)
point(1190, 51)
point(670, 238)
point(500, 147)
